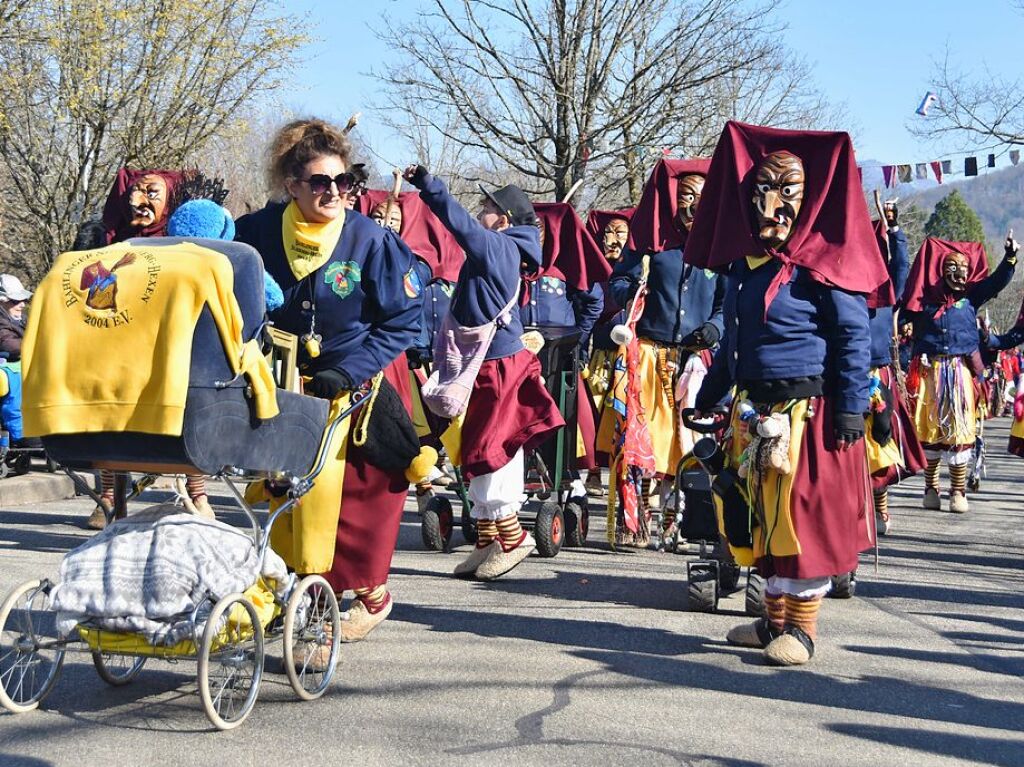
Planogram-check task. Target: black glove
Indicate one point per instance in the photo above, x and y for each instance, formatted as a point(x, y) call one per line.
point(881, 421)
point(849, 428)
point(327, 384)
point(1010, 250)
point(415, 175)
point(704, 337)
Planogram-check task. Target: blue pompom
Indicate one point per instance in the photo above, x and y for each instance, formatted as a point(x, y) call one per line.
point(201, 218)
point(272, 295)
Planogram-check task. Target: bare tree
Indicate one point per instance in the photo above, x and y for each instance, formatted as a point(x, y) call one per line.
point(115, 85)
point(564, 90)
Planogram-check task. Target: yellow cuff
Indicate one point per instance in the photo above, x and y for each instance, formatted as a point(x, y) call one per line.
point(256, 368)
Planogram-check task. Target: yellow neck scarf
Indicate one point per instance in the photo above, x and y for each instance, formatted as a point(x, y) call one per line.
point(308, 246)
point(756, 262)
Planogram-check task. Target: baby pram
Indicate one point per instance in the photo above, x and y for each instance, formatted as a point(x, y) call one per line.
point(220, 437)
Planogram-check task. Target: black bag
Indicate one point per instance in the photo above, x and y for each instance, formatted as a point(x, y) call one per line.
point(388, 437)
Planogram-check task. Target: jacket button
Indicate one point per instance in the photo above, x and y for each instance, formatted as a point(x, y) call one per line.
point(735, 355)
point(682, 312)
point(305, 304)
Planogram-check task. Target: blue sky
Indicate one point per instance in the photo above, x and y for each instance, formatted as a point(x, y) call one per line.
point(874, 57)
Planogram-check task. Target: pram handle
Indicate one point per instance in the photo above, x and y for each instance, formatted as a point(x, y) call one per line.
point(718, 420)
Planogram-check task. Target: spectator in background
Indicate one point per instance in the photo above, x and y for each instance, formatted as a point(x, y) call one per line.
point(13, 300)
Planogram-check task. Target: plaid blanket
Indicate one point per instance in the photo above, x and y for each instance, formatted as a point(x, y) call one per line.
point(146, 574)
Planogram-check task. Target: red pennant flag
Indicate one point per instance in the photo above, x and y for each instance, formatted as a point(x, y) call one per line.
point(937, 170)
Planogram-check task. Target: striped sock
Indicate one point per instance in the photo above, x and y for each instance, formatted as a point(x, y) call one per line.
point(486, 531)
point(195, 484)
point(931, 474)
point(958, 479)
point(775, 610)
point(375, 599)
point(882, 503)
point(510, 532)
point(107, 486)
point(803, 614)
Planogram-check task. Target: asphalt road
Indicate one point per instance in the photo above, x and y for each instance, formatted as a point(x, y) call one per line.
point(590, 658)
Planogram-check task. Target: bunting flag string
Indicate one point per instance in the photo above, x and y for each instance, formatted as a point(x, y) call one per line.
point(905, 173)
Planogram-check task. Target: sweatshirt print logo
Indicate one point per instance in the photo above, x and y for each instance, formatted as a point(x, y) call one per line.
point(343, 277)
point(102, 283)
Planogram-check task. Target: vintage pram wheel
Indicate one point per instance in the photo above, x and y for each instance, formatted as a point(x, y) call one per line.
point(728, 576)
point(311, 620)
point(117, 670)
point(52, 467)
point(5, 470)
point(549, 529)
point(436, 523)
point(577, 522)
point(753, 603)
point(843, 586)
point(30, 654)
point(230, 662)
point(702, 591)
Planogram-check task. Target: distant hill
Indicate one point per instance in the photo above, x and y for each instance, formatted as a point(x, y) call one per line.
point(997, 198)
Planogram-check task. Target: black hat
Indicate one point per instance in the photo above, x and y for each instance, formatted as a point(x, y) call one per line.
point(513, 202)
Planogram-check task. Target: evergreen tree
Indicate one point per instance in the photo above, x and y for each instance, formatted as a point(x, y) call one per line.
point(954, 219)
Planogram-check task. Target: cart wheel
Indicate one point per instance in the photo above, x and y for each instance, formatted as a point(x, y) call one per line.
point(728, 576)
point(52, 466)
point(702, 592)
point(844, 586)
point(754, 599)
point(29, 662)
point(5, 470)
point(577, 522)
point(436, 523)
point(21, 463)
point(468, 526)
point(117, 670)
point(549, 530)
point(230, 662)
point(311, 620)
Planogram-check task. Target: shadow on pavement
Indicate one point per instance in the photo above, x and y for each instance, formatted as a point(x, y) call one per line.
point(970, 748)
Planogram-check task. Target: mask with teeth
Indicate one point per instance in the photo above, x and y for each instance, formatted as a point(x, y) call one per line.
point(688, 194)
point(614, 238)
point(147, 201)
point(954, 271)
point(778, 195)
point(388, 219)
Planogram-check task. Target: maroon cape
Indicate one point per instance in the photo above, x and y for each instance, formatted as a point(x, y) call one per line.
point(925, 284)
point(597, 220)
point(832, 237)
point(116, 217)
point(422, 231)
point(570, 253)
point(653, 227)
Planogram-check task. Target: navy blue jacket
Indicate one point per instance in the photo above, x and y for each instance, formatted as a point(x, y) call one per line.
point(611, 316)
point(812, 330)
point(362, 297)
point(437, 301)
point(680, 298)
point(955, 332)
point(490, 276)
point(1008, 340)
point(552, 303)
point(881, 318)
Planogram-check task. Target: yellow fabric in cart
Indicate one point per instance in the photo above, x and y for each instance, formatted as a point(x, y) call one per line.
point(109, 339)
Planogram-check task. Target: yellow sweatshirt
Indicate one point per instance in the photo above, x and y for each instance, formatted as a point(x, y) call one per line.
point(109, 340)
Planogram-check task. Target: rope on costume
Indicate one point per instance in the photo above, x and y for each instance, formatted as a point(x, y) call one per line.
point(951, 397)
point(361, 432)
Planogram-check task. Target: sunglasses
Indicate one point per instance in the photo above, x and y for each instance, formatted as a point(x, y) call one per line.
point(320, 183)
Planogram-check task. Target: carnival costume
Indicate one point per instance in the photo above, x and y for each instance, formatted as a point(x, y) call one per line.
point(566, 292)
point(893, 449)
point(796, 348)
point(681, 316)
point(509, 410)
point(1008, 340)
point(948, 283)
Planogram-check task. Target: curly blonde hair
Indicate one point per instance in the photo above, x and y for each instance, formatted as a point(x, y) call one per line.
point(300, 142)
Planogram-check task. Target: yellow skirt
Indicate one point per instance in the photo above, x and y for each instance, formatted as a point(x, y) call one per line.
point(945, 413)
point(657, 397)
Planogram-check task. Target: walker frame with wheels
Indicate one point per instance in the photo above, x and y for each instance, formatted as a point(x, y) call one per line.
point(229, 646)
point(713, 573)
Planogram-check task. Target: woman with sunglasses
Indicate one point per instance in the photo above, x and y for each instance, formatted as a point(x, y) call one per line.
point(347, 297)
